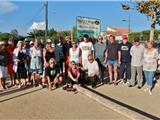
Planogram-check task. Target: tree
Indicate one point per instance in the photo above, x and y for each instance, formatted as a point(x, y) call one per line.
point(52, 32)
point(14, 34)
point(4, 36)
point(151, 8)
point(74, 30)
point(143, 35)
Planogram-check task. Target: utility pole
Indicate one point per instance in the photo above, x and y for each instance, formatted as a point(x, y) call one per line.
point(46, 19)
point(129, 24)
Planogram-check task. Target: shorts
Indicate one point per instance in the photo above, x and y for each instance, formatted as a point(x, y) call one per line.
point(3, 72)
point(35, 71)
point(113, 62)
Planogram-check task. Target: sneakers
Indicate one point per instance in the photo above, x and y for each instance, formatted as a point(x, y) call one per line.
point(149, 91)
point(139, 87)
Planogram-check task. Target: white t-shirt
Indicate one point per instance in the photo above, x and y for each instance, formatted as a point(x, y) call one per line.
point(74, 55)
point(35, 52)
point(91, 67)
point(86, 48)
point(137, 55)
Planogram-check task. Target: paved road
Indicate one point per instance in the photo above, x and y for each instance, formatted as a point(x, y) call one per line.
point(37, 103)
point(136, 99)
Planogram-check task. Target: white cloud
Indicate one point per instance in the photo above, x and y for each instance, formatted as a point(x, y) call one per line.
point(7, 6)
point(37, 26)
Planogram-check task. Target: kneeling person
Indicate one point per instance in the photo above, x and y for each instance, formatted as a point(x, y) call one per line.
point(93, 70)
point(73, 73)
point(52, 74)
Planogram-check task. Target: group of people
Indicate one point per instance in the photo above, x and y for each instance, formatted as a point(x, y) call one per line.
point(79, 62)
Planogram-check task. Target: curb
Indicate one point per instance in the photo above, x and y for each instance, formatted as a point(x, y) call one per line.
point(109, 104)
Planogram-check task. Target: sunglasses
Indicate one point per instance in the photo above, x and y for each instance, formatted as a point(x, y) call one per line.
point(90, 59)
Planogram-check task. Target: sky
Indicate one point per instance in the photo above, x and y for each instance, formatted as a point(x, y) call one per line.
point(62, 14)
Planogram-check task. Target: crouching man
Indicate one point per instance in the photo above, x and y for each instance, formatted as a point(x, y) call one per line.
point(93, 70)
point(52, 75)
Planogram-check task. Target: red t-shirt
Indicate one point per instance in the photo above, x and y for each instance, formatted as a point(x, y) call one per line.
point(74, 71)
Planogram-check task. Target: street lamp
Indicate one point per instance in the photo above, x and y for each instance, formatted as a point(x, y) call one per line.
point(129, 23)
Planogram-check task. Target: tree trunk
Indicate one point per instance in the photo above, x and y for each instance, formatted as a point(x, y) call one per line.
point(154, 17)
point(152, 33)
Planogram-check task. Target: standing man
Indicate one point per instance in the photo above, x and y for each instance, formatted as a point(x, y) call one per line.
point(26, 50)
point(86, 48)
point(137, 51)
point(113, 58)
point(125, 67)
point(100, 47)
point(67, 46)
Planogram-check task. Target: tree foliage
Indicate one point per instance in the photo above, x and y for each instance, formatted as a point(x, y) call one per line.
point(4, 36)
point(151, 8)
point(143, 35)
point(14, 34)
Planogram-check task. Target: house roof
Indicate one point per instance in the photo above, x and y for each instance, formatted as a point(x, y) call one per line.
point(117, 31)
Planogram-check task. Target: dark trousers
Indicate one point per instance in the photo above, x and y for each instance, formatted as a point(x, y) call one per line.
point(125, 68)
point(61, 61)
point(102, 69)
point(93, 80)
point(71, 81)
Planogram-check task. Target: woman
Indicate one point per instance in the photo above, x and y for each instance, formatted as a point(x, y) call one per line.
point(10, 50)
point(73, 75)
point(48, 53)
point(36, 62)
point(74, 53)
point(149, 65)
point(52, 75)
point(19, 58)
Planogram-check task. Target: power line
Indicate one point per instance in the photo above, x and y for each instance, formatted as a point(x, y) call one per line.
point(39, 11)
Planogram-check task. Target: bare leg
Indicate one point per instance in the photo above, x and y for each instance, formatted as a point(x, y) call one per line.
point(110, 73)
point(115, 73)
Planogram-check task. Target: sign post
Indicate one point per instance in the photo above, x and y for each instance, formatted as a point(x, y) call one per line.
point(90, 26)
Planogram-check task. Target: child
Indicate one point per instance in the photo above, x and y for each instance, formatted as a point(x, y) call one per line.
point(52, 74)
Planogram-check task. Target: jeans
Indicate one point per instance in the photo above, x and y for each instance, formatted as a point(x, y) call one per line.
point(149, 75)
point(125, 68)
point(101, 68)
point(113, 62)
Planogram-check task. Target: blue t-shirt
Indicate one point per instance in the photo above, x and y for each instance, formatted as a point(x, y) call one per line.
point(125, 52)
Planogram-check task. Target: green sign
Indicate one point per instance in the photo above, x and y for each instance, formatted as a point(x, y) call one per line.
point(90, 26)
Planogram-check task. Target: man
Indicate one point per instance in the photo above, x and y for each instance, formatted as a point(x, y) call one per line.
point(113, 58)
point(100, 47)
point(93, 70)
point(86, 48)
point(67, 46)
point(125, 66)
point(26, 49)
point(4, 60)
point(136, 52)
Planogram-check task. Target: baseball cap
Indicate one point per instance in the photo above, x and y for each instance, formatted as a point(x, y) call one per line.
point(48, 41)
point(124, 37)
point(31, 42)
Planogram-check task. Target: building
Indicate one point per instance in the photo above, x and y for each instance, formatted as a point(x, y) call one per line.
point(117, 32)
